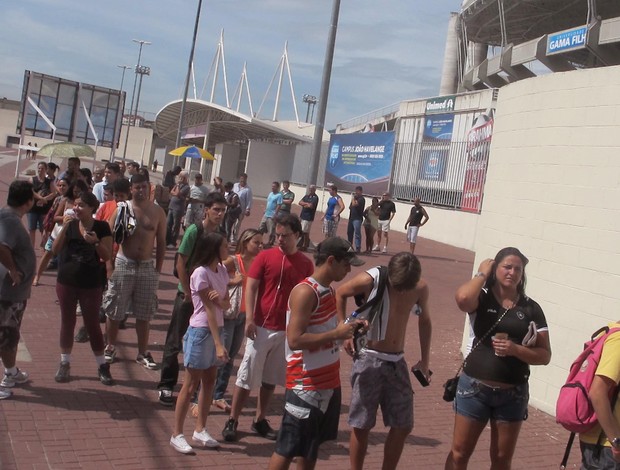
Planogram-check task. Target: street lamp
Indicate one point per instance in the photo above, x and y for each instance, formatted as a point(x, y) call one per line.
point(135, 82)
point(311, 100)
point(122, 110)
point(142, 70)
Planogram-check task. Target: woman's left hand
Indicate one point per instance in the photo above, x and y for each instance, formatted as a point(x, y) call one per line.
point(222, 354)
point(504, 347)
point(91, 237)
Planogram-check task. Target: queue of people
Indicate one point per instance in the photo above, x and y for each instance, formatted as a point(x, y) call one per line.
point(293, 321)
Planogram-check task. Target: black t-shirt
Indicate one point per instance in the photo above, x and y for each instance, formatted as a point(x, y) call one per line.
point(79, 264)
point(482, 363)
point(43, 188)
point(415, 216)
point(386, 209)
point(307, 213)
point(357, 212)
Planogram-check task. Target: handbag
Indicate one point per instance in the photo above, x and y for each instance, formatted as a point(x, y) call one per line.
point(449, 388)
point(234, 294)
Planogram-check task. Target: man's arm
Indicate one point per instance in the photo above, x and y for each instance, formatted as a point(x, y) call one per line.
point(425, 329)
point(360, 284)
point(160, 253)
point(302, 302)
point(251, 291)
point(599, 395)
point(248, 206)
point(6, 258)
point(393, 213)
point(425, 217)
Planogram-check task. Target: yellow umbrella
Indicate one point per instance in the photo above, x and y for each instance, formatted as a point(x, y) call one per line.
point(191, 151)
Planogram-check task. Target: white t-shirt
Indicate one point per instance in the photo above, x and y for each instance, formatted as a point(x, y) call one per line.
point(204, 278)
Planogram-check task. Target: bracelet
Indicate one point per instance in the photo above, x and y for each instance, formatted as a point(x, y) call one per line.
point(480, 274)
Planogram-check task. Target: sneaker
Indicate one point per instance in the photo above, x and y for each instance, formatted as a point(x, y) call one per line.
point(384, 249)
point(263, 429)
point(375, 248)
point(5, 393)
point(109, 353)
point(147, 361)
point(205, 439)
point(104, 374)
point(81, 336)
point(10, 381)
point(62, 375)
point(165, 397)
point(229, 433)
point(180, 444)
point(171, 246)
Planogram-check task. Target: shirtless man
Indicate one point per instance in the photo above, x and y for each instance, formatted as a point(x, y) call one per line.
point(135, 278)
point(379, 376)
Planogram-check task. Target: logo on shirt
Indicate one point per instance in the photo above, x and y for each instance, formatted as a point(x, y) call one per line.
point(520, 315)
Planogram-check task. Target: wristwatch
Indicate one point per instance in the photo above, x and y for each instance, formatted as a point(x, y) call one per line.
point(615, 443)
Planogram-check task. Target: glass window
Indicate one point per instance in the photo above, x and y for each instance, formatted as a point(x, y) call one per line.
point(66, 94)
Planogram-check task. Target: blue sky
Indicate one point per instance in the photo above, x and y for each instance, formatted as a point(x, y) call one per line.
point(386, 50)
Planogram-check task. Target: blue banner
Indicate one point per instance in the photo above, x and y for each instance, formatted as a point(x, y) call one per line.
point(436, 147)
point(567, 40)
point(360, 160)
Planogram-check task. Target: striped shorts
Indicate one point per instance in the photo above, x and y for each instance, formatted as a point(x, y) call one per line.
point(135, 282)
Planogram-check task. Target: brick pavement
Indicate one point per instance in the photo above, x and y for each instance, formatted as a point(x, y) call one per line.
point(84, 424)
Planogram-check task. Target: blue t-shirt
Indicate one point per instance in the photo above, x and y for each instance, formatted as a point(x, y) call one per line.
point(272, 201)
point(332, 202)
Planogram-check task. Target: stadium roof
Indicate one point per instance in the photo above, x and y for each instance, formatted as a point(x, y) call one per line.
point(227, 125)
point(528, 19)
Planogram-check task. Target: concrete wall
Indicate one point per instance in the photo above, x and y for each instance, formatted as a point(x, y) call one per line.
point(552, 189)
point(267, 163)
point(8, 123)
point(226, 162)
point(446, 226)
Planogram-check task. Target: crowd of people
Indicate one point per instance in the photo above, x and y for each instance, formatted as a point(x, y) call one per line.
point(109, 235)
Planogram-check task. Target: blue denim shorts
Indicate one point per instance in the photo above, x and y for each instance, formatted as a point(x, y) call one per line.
point(481, 402)
point(199, 349)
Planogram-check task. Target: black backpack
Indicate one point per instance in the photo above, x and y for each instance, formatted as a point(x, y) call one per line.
point(199, 229)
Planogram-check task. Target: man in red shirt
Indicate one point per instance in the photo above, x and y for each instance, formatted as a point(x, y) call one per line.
point(271, 278)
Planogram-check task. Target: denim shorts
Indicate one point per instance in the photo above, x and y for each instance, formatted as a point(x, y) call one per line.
point(481, 402)
point(199, 349)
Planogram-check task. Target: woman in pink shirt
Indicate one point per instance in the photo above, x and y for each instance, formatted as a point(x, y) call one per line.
point(203, 348)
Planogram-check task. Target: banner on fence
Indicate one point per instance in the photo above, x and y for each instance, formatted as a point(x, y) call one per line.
point(361, 159)
point(478, 145)
point(436, 147)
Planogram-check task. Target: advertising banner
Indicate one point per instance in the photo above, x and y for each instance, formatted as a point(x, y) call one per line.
point(436, 147)
point(478, 145)
point(360, 160)
point(568, 40)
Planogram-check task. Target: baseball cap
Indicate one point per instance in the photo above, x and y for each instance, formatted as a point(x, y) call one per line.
point(340, 249)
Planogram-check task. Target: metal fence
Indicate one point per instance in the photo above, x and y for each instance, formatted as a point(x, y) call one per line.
point(444, 174)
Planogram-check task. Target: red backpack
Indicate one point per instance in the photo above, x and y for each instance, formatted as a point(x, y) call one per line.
point(573, 409)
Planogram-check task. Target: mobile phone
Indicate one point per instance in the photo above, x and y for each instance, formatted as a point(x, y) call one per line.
point(421, 377)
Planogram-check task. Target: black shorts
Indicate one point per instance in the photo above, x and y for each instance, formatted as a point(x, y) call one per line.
point(305, 427)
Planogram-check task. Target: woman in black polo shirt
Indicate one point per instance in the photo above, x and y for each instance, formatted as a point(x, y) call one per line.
point(510, 335)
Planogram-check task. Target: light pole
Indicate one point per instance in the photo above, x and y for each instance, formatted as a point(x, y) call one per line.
point(135, 82)
point(142, 70)
point(311, 100)
point(315, 156)
point(189, 71)
point(122, 111)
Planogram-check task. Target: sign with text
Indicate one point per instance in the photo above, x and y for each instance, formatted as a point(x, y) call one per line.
point(567, 40)
point(436, 147)
point(360, 160)
point(443, 104)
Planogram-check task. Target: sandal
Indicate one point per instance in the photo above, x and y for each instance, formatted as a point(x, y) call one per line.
point(35, 282)
point(222, 405)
